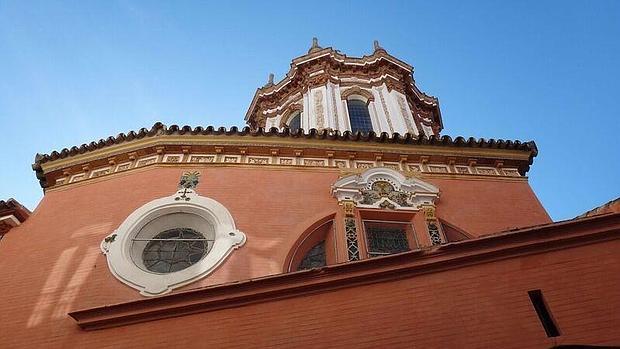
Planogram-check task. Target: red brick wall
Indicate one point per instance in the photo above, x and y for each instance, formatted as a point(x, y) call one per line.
point(52, 264)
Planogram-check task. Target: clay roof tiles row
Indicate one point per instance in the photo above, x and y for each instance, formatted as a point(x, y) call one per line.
point(160, 129)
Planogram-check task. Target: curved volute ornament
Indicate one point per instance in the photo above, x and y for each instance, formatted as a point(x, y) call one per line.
point(382, 187)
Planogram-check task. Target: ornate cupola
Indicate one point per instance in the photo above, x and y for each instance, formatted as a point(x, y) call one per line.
point(325, 89)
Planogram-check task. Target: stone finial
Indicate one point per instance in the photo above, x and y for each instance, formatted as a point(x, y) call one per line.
point(377, 47)
point(269, 80)
point(315, 45)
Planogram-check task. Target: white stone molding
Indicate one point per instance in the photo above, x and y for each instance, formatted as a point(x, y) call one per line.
point(184, 209)
point(408, 193)
point(10, 220)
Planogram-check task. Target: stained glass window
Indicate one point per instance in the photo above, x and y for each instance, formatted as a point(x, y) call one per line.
point(315, 258)
point(174, 249)
point(385, 238)
point(295, 123)
point(359, 116)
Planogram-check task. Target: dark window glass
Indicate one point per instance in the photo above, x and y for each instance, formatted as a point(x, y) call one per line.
point(174, 249)
point(315, 258)
point(386, 238)
point(544, 315)
point(295, 122)
point(359, 116)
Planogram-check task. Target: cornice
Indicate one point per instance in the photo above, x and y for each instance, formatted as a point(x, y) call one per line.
point(500, 246)
point(161, 140)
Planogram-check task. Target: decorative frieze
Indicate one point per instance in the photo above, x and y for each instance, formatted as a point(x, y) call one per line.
point(329, 161)
point(202, 158)
point(77, 177)
point(232, 159)
point(258, 160)
point(314, 162)
point(462, 169)
point(146, 161)
point(489, 171)
point(101, 172)
point(122, 167)
point(438, 169)
point(392, 165)
point(173, 158)
point(364, 164)
point(341, 163)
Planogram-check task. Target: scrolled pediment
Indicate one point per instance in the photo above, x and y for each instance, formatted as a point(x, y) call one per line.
point(385, 188)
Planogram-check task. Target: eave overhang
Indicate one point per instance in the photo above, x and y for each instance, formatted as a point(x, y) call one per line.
point(490, 248)
point(12, 214)
point(259, 141)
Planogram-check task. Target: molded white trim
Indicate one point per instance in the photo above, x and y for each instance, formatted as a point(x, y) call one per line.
point(418, 192)
point(118, 245)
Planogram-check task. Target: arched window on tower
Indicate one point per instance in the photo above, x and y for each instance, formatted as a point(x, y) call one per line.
point(359, 116)
point(294, 122)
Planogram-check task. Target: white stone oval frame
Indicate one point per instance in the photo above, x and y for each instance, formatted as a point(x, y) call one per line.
point(117, 246)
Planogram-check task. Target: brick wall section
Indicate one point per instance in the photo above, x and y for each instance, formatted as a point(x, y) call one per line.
point(52, 264)
point(482, 306)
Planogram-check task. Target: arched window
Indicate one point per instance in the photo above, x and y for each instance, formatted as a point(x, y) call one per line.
point(315, 247)
point(295, 122)
point(359, 116)
point(314, 258)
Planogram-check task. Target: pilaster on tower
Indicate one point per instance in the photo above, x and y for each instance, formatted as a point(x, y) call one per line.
point(325, 89)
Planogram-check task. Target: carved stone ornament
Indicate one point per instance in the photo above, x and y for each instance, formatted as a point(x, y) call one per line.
point(348, 207)
point(189, 180)
point(127, 248)
point(386, 188)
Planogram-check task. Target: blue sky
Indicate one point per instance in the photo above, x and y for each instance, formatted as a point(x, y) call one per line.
point(76, 71)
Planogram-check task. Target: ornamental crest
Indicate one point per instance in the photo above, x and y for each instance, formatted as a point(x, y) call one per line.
point(380, 190)
point(385, 188)
point(189, 180)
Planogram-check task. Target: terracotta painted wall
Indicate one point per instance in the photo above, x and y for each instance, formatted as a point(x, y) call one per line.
point(52, 264)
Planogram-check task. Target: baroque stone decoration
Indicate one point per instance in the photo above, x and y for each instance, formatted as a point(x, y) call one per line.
point(211, 224)
point(325, 76)
point(384, 188)
point(433, 225)
point(318, 105)
point(189, 180)
point(405, 153)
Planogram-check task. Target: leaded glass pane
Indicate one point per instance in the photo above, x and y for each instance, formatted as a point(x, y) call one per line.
point(295, 122)
point(174, 249)
point(315, 258)
point(386, 238)
point(359, 116)
point(351, 234)
point(433, 231)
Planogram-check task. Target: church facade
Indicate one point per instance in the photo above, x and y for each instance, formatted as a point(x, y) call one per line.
point(339, 216)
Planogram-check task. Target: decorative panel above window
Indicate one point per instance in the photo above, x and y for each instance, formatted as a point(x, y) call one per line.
point(385, 188)
point(171, 241)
